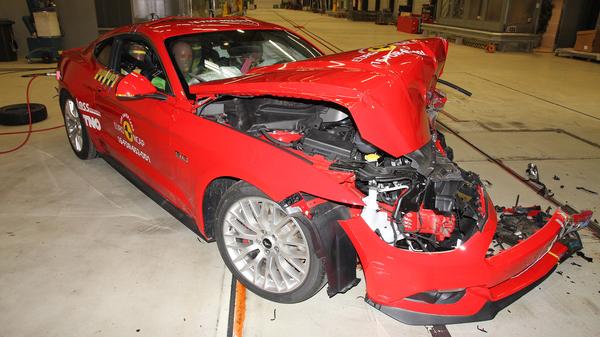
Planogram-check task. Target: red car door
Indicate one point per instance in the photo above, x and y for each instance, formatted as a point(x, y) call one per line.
point(138, 131)
point(84, 94)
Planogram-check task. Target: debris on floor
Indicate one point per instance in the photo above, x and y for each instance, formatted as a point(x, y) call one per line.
point(481, 329)
point(576, 264)
point(582, 255)
point(532, 172)
point(556, 177)
point(581, 188)
point(533, 175)
point(438, 331)
point(274, 315)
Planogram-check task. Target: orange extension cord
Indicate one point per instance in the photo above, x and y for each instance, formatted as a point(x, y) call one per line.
point(240, 310)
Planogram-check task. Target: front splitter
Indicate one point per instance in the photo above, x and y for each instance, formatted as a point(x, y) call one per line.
point(487, 312)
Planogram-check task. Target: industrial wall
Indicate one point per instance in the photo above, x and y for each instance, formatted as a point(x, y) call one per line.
point(77, 21)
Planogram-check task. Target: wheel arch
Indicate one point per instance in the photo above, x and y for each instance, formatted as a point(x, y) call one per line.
point(62, 97)
point(211, 196)
point(328, 237)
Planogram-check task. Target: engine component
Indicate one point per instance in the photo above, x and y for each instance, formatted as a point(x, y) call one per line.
point(426, 221)
point(362, 145)
point(333, 145)
point(377, 220)
point(421, 201)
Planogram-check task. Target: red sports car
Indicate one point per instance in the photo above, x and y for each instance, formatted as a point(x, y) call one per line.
point(300, 166)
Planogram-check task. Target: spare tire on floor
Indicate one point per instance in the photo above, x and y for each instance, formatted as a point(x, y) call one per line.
point(17, 114)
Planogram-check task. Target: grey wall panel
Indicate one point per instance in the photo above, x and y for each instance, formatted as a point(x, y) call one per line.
point(113, 13)
point(77, 21)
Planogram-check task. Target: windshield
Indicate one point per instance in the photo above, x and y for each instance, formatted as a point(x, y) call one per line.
point(214, 56)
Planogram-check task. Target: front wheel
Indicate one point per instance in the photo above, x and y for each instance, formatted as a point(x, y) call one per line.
point(269, 252)
point(76, 131)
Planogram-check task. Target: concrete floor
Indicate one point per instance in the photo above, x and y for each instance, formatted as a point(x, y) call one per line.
point(84, 253)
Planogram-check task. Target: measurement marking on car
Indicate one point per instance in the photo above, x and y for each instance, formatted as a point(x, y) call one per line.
point(181, 157)
point(106, 77)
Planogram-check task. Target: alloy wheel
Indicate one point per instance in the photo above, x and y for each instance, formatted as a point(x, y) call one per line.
point(73, 125)
point(266, 245)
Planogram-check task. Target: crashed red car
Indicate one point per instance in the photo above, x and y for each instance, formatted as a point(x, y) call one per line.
point(300, 166)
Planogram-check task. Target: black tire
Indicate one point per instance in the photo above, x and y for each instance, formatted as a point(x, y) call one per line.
point(87, 150)
point(17, 114)
point(315, 277)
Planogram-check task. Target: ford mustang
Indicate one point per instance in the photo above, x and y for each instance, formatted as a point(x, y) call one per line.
point(303, 166)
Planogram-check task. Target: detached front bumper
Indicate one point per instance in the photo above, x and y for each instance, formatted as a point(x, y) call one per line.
point(489, 309)
point(462, 285)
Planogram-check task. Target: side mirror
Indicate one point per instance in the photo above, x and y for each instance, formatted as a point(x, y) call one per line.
point(135, 86)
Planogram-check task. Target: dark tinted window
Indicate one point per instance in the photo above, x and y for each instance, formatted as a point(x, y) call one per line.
point(103, 52)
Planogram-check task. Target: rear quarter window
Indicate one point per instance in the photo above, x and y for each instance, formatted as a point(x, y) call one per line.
point(103, 52)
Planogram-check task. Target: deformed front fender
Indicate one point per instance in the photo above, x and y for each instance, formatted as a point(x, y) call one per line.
point(275, 171)
point(333, 245)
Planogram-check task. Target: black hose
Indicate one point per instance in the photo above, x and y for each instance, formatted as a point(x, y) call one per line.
point(269, 137)
point(397, 210)
point(455, 87)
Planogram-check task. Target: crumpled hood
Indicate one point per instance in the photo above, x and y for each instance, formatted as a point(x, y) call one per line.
point(384, 88)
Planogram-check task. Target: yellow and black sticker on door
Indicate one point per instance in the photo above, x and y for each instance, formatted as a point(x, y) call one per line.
point(106, 77)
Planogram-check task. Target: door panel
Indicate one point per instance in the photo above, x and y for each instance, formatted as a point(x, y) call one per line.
point(137, 131)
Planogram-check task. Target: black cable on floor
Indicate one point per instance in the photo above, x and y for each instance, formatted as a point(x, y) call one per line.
point(534, 96)
point(539, 191)
point(231, 317)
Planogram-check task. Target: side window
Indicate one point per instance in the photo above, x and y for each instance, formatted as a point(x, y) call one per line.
point(103, 52)
point(136, 56)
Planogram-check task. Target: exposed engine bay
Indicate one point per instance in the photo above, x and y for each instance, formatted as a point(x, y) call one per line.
point(420, 202)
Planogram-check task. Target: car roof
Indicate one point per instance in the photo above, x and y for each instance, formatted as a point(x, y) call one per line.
point(165, 28)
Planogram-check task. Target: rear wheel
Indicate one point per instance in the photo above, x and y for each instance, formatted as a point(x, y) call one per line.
point(76, 131)
point(268, 251)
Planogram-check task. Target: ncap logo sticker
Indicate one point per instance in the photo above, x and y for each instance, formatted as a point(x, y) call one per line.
point(131, 140)
point(128, 130)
